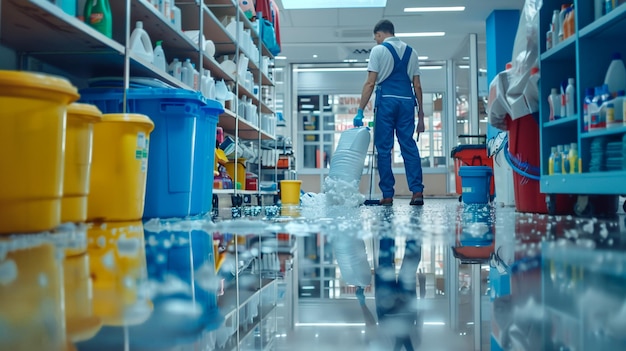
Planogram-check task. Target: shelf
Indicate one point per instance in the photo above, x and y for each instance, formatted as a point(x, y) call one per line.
point(612, 24)
point(228, 302)
point(585, 183)
point(561, 121)
point(139, 67)
point(565, 50)
point(228, 121)
point(42, 30)
point(243, 192)
point(601, 132)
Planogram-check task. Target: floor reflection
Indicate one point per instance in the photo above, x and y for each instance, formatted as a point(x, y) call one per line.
point(445, 276)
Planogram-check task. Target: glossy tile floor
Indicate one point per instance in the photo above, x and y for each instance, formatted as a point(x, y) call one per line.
point(445, 276)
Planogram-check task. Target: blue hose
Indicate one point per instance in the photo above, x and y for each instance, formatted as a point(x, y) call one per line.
point(509, 158)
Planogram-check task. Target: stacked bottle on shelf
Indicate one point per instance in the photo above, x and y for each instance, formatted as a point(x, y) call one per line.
point(562, 25)
point(604, 105)
point(562, 101)
point(603, 7)
point(564, 159)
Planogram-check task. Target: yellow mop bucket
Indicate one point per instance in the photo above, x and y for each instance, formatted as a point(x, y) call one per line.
point(78, 149)
point(118, 170)
point(32, 132)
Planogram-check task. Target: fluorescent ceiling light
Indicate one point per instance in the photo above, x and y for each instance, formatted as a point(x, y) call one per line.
point(434, 9)
point(463, 66)
point(280, 57)
point(423, 57)
point(420, 34)
point(331, 4)
point(431, 67)
point(330, 69)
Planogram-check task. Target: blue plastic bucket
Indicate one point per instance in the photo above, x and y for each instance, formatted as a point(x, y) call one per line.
point(182, 146)
point(475, 181)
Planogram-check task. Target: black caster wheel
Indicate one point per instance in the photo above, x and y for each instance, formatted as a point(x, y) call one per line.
point(551, 203)
point(624, 206)
point(582, 206)
point(461, 198)
point(247, 199)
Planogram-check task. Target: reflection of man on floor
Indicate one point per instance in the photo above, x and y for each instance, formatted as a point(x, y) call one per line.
point(396, 298)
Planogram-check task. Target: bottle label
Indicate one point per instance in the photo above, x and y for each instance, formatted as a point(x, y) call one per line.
point(610, 115)
point(96, 18)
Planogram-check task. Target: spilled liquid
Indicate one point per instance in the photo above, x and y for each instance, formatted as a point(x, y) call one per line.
point(327, 275)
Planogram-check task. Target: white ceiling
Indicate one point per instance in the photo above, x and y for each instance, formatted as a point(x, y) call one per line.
point(334, 34)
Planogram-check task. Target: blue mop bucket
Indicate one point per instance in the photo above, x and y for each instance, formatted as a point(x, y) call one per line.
point(475, 182)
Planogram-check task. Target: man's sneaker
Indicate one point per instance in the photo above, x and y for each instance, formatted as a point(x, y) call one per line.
point(417, 199)
point(388, 201)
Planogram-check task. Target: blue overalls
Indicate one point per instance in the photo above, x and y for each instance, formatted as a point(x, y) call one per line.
point(395, 110)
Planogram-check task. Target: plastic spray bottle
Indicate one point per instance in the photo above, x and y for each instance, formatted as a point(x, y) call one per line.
point(98, 16)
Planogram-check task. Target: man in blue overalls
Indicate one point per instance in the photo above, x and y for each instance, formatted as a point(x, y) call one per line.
point(394, 71)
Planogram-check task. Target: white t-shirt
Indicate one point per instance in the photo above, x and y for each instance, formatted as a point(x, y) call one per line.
point(381, 60)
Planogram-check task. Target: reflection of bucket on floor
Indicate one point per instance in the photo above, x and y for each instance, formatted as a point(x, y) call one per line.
point(290, 192)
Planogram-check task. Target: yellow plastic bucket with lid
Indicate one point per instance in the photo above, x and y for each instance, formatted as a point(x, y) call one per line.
point(32, 134)
point(290, 192)
point(118, 169)
point(78, 149)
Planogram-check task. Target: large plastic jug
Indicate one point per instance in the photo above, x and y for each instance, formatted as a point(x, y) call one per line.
point(159, 57)
point(140, 44)
point(616, 75)
point(97, 14)
point(349, 157)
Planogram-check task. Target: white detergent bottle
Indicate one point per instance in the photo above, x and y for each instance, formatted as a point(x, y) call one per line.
point(159, 57)
point(188, 73)
point(140, 44)
point(615, 76)
point(570, 98)
point(210, 89)
point(174, 69)
point(196, 77)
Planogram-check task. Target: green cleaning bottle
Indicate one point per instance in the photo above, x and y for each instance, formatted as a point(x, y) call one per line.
point(98, 16)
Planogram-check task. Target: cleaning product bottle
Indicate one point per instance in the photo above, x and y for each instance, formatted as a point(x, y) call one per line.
point(570, 93)
point(594, 109)
point(174, 69)
point(551, 160)
point(608, 6)
point(558, 159)
point(587, 101)
point(165, 6)
point(159, 57)
point(562, 21)
point(618, 104)
point(555, 27)
point(598, 6)
point(554, 100)
point(573, 159)
point(563, 87)
point(187, 73)
point(140, 44)
point(196, 77)
point(565, 165)
point(615, 76)
point(98, 15)
point(606, 107)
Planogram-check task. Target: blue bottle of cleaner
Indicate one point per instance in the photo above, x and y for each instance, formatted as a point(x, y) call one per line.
point(558, 159)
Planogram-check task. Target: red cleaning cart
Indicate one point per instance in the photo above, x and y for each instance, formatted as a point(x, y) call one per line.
point(471, 155)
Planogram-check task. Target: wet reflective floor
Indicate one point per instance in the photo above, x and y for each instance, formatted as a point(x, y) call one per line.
point(445, 276)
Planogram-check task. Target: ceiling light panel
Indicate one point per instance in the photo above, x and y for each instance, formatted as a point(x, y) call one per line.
point(420, 34)
point(435, 9)
point(331, 4)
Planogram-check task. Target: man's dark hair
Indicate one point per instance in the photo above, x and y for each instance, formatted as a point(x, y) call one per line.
point(384, 26)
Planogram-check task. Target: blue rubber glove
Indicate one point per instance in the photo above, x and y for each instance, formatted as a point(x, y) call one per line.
point(358, 119)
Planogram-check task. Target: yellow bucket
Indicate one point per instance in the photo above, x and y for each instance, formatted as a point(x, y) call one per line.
point(31, 296)
point(117, 265)
point(290, 192)
point(118, 170)
point(241, 172)
point(32, 132)
point(78, 148)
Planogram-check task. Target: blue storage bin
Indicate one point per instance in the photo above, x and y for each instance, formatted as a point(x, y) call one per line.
point(475, 181)
point(182, 145)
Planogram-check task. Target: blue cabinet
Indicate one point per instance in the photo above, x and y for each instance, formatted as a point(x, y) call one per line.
point(585, 56)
